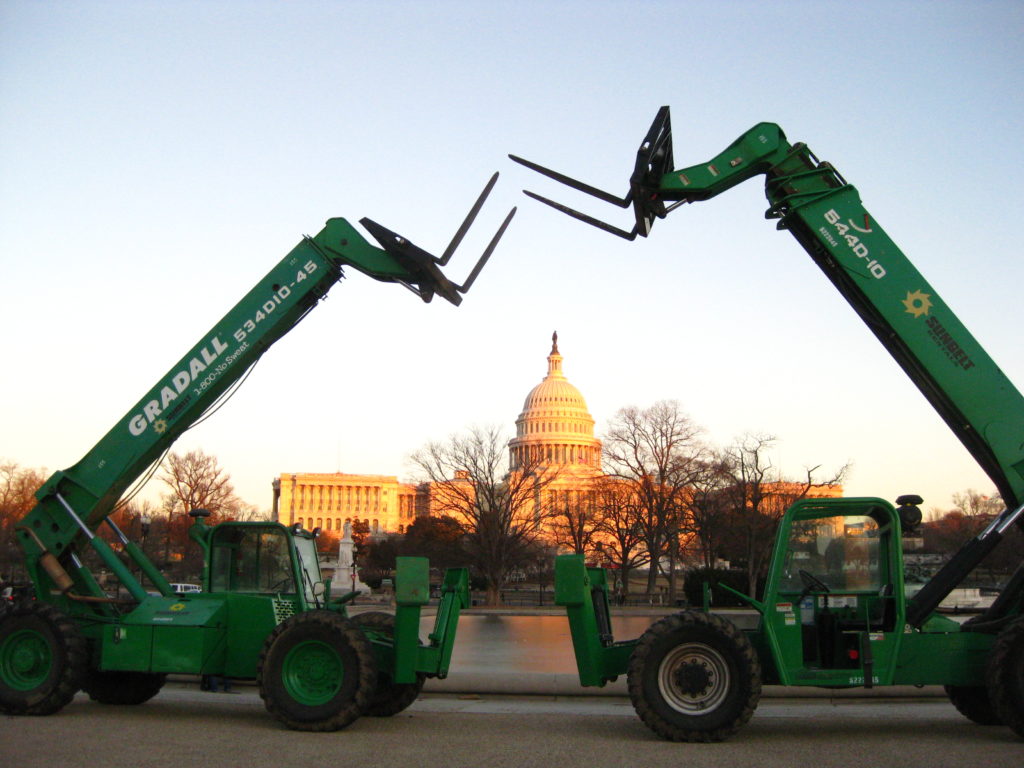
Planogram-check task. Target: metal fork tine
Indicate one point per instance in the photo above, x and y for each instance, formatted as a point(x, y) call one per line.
point(468, 221)
point(487, 252)
point(622, 202)
point(583, 217)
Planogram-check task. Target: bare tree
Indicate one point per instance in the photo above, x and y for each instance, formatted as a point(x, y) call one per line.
point(17, 498)
point(574, 520)
point(658, 452)
point(977, 505)
point(502, 514)
point(195, 481)
point(947, 531)
point(620, 540)
point(249, 513)
point(708, 508)
point(760, 495)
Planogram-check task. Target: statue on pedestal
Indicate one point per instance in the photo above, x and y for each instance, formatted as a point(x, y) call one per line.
point(346, 578)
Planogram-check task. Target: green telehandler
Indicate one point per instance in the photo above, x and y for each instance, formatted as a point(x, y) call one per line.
point(265, 613)
point(834, 612)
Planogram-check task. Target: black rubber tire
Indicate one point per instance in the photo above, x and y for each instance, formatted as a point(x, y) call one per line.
point(317, 671)
point(1004, 676)
point(389, 698)
point(122, 688)
point(973, 703)
point(43, 660)
point(694, 677)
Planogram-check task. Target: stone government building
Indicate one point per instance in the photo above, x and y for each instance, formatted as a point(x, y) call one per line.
point(554, 427)
point(329, 500)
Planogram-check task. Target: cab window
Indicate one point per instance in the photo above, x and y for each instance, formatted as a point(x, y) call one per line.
point(251, 560)
point(840, 551)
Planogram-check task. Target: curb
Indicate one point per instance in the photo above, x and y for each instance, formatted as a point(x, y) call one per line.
point(563, 684)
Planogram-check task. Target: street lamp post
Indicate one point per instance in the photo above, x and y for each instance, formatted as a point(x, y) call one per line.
point(144, 523)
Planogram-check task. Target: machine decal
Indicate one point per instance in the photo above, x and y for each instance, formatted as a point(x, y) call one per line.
point(177, 385)
point(917, 303)
point(267, 308)
point(948, 344)
point(853, 633)
point(857, 246)
point(306, 694)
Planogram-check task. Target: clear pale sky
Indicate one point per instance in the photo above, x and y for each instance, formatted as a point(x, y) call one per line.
point(157, 158)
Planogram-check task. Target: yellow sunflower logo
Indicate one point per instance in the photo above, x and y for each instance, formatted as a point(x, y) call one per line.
point(917, 303)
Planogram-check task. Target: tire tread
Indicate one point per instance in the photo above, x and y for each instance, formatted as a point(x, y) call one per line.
point(1004, 676)
point(681, 727)
point(71, 652)
point(284, 708)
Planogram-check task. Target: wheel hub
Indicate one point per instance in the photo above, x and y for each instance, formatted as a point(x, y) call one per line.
point(313, 673)
point(693, 678)
point(25, 660)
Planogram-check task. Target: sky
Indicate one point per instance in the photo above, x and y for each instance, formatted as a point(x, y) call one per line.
point(158, 158)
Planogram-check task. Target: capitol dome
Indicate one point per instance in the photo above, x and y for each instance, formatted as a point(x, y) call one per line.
point(555, 427)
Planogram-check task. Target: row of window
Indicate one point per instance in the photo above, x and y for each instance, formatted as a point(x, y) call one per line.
point(329, 497)
point(556, 454)
point(556, 399)
point(534, 427)
point(571, 500)
point(334, 523)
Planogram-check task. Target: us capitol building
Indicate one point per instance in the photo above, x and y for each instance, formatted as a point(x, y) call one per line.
point(554, 428)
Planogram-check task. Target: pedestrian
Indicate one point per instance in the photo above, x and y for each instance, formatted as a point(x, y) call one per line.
point(215, 683)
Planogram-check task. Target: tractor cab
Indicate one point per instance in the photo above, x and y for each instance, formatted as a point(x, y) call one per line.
point(260, 559)
point(834, 597)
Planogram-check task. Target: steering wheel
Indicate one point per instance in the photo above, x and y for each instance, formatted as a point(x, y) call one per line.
point(282, 584)
point(811, 584)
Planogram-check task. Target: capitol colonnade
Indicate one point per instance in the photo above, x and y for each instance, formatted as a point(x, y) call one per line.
point(329, 500)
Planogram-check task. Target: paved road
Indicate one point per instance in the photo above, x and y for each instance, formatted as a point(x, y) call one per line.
point(183, 727)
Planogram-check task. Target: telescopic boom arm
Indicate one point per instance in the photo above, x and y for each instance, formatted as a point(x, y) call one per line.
point(824, 213)
point(75, 501)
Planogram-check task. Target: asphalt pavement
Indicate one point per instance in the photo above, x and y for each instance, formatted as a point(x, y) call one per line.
point(183, 727)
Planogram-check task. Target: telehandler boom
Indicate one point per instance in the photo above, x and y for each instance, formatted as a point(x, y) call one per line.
point(265, 612)
point(834, 612)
